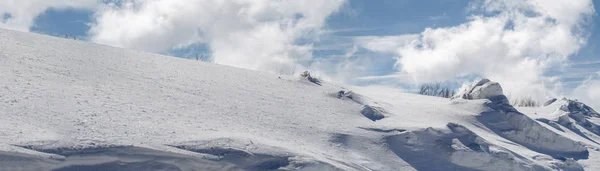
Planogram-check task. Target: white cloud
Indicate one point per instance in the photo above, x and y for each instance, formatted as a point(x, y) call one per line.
point(253, 34)
point(385, 44)
point(588, 92)
point(22, 13)
point(514, 43)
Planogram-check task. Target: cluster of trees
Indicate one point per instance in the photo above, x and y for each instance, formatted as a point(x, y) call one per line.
point(525, 102)
point(68, 36)
point(436, 89)
point(441, 90)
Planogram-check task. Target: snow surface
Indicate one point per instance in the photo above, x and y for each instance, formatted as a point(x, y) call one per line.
point(71, 105)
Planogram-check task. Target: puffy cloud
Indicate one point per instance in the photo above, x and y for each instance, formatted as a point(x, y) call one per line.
point(588, 92)
point(513, 42)
point(253, 34)
point(20, 14)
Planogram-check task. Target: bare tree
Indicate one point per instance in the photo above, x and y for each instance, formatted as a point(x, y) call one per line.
point(525, 102)
point(436, 89)
point(199, 58)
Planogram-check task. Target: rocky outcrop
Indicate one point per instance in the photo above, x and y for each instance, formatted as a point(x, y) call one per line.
point(481, 89)
point(578, 108)
point(515, 126)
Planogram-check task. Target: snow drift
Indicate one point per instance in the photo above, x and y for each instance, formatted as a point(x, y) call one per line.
point(71, 105)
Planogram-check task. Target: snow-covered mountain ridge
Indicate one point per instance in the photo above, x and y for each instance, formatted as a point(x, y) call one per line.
point(72, 105)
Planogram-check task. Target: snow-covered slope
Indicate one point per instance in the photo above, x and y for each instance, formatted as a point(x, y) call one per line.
point(71, 105)
point(574, 120)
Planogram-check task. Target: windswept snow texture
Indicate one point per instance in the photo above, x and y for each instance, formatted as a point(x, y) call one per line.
point(71, 105)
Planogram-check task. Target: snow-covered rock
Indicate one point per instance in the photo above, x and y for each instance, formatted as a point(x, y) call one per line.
point(508, 122)
point(372, 113)
point(573, 120)
point(481, 89)
point(578, 108)
point(549, 102)
point(571, 114)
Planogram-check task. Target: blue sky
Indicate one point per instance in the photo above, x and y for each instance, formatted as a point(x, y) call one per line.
point(391, 17)
point(338, 49)
point(63, 22)
point(357, 18)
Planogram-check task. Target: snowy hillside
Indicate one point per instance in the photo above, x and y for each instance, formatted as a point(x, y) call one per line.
point(72, 105)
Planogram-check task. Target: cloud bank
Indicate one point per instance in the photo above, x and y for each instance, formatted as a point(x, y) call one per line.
point(512, 42)
point(589, 91)
point(253, 34)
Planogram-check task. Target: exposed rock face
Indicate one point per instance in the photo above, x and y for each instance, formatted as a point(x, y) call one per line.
point(373, 113)
point(549, 102)
point(578, 108)
point(577, 113)
point(344, 95)
point(481, 89)
point(310, 78)
point(513, 125)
